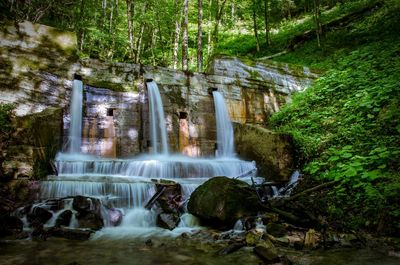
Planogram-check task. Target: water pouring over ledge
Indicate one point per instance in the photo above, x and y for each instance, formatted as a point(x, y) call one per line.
point(225, 138)
point(75, 129)
point(158, 130)
point(129, 183)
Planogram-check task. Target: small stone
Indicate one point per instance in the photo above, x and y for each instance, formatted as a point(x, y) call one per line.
point(168, 220)
point(149, 243)
point(254, 236)
point(268, 255)
point(311, 239)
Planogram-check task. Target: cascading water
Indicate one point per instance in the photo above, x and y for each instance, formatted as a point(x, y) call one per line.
point(225, 136)
point(158, 130)
point(75, 128)
point(128, 184)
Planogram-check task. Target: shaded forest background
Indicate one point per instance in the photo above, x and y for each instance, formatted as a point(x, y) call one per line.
point(175, 33)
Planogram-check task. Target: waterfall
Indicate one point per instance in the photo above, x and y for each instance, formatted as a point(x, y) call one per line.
point(224, 127)
point(75, 128)
point(128, 184)
point(158, 130)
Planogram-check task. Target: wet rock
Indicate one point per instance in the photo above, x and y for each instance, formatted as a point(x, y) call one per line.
point(171, 197)
point(115, 217)
point(88, 212)
point(277, 230)
point(268, 255)
point(221, 201)
point(39, 215)
point(168, 220)
point(273, 152)
point(149, 243)
point(231, 248)
point(10, 225)
point(82, 204)
point(311, 239)
point(254, 236)
point(91, 220)
point(349, 240)
point(64, 218)
point(70, 233)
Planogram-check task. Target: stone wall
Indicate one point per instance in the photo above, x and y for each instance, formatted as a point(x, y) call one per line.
point(39, 62)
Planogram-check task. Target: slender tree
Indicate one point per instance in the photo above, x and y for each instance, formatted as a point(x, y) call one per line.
point(200, 36)
point(209, 28)
point(185, 59)
point(317, 19)
point(218, 17)
point(178, 24)
point(130, 11)
point(266, 20)
point(255, 28)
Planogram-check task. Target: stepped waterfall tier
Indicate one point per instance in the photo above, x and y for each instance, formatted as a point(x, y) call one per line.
point(128, 185)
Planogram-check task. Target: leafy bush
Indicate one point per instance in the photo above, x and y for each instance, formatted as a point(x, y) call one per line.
point(347, 125)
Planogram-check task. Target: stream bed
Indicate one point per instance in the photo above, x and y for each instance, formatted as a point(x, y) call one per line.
point(166, 251)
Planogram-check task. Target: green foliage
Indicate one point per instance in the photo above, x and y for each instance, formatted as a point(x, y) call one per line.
point(5, 117)
point(347, 125)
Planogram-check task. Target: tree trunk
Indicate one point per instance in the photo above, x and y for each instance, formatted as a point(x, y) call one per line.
point(81, 29)
point(266, 19)
point(178, 24)
point(110, 29)
point(209, 30)
point(255, 25)
point(140, 38)
point(139, 44)
point(153, 45)
point(185, 60)
point(200, 37)
point(104, 6)
point(317, 19)
point(130, 12)
point(220, 9)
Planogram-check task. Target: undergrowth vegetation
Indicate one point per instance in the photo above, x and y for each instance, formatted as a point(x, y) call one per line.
point(347, 125)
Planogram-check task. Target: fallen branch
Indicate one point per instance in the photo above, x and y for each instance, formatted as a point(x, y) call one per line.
point(154, 198)
point(313, 189)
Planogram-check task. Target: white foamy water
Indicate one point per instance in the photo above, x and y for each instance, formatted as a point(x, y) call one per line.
point(225, 138)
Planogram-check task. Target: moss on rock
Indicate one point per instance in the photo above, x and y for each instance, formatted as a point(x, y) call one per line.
point(221, 201)
point(273, 152)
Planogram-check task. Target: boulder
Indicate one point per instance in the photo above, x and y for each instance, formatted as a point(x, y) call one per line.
point(10, 225)
point(221, 201)
point(64, 218)
point(39, 215)
point(277, 230)
point(273, 152)
point(268, 255)
point(88, 212)
point(168, 220)
point(170, 199)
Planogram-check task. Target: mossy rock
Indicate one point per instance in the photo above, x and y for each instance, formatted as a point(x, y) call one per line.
point(221, 201)
point(273, 152)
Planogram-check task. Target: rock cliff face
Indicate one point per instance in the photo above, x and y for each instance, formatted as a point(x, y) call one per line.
point(39, 63)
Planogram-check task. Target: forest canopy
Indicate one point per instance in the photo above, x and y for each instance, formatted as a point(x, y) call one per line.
point(172, 33)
